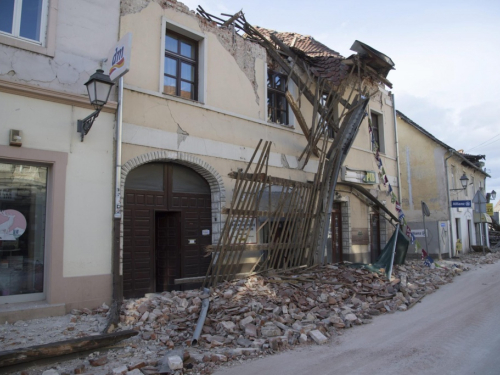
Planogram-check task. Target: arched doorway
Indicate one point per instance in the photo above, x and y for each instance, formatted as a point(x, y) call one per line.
point(167, 222)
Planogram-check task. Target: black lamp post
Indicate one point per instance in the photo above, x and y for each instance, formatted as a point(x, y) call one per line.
point(99, 87)
point(491, 195)
point(463, 180)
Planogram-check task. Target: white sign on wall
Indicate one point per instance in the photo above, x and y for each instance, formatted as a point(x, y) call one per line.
point(418, 232)
point(118, 62)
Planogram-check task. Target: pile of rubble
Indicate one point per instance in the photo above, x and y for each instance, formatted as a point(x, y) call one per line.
point(261, 315)
point(246, 319)
point(478, 258)
point(79, 323)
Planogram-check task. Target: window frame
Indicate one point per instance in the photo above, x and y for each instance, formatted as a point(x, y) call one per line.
point(179, 58)
point(200, 38)
point(48, 28)
point(16, 23)
point(377, 129)
point(276, 93)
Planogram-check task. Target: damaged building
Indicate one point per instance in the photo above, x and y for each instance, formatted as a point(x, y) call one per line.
point(201, 92)
point(241, 149)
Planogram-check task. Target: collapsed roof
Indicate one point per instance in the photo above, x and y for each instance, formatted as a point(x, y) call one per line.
point(323, 61)
point(329, 64)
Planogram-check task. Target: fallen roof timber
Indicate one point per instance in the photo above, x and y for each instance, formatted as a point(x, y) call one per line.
point(59, 348)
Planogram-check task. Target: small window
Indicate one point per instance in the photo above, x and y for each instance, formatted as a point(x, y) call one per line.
point(375, 132)
point(453, 174)
point(326, 102)
point(277, 106)
point(180, 74)
point(24, 19)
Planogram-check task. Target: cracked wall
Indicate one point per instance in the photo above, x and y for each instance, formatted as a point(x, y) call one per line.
point(86, 30)
point(244, 52)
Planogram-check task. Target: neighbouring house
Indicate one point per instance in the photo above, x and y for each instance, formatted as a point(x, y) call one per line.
point(55, 190)
point(197, 100)
point(447, 181)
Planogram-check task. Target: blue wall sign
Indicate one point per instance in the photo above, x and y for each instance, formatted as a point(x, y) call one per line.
point(465, 204)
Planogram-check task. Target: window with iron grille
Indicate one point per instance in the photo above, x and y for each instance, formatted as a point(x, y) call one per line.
point(181, 66)
point(277, 106)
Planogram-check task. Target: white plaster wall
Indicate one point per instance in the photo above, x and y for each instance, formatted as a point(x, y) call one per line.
point(86, 30)
point(88, 205)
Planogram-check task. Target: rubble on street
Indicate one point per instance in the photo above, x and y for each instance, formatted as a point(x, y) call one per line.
point(246, 318)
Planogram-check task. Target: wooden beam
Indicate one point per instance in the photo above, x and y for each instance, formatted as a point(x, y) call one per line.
point(59, 348)
point(300, 119)
point(273, 180)
point(233, 18)
point(251, 213)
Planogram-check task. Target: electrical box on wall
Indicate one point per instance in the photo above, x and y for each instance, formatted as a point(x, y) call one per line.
point(15, 138)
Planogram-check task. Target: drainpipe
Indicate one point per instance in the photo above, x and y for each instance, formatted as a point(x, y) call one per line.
point(450, 252)
point(397, 146)
point(117, 270)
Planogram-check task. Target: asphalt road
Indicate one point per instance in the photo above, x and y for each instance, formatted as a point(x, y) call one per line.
point(455, 330)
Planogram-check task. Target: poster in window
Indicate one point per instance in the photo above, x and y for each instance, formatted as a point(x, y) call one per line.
point(12, 225)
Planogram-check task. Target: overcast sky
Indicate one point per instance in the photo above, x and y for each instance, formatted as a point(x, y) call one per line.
point(447, 56)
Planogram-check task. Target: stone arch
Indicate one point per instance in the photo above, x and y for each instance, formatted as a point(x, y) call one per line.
point(213, 178)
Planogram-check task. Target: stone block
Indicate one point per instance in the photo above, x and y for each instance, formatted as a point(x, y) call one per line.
point(318, 337)
point(270, 330)
point(175, 362)
point(120, 370)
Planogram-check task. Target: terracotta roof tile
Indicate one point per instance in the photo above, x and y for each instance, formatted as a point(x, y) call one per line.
point(324, 62)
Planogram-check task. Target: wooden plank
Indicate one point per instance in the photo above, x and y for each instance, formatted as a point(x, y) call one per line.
point(300, 119)
point(273, 180)
point(200, 279)
point(251, 247)
point(254, 213)
point(59, 348)
point(232, 19)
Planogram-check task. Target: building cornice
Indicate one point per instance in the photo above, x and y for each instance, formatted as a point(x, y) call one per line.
point(51, 95)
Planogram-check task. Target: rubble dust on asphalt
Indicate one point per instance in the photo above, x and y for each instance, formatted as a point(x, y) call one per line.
point(246, 319)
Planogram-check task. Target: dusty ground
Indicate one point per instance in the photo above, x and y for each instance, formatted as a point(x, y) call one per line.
point(147, 352)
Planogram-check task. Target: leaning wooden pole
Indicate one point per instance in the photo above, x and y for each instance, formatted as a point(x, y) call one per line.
point(59, 348)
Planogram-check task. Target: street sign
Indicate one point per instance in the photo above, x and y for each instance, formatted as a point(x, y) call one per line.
point(489, 209)
point(464, 204)
point(479, 202)
point(118, 62)
point(419, 232)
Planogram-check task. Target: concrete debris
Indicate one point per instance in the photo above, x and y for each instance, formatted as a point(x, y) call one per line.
point(246, 319)
point(318, 337)
point(175, 362)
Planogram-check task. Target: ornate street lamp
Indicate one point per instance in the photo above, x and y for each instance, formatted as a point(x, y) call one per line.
point(99, 87)
point(491, 195)
point(463, 180)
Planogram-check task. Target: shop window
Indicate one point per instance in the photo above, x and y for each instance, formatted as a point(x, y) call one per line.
point(277, 106)
point(24, 19)
point(23, 199)
point(180, 66)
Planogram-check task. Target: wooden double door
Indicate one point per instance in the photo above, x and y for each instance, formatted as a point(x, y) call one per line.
point(167, 225)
